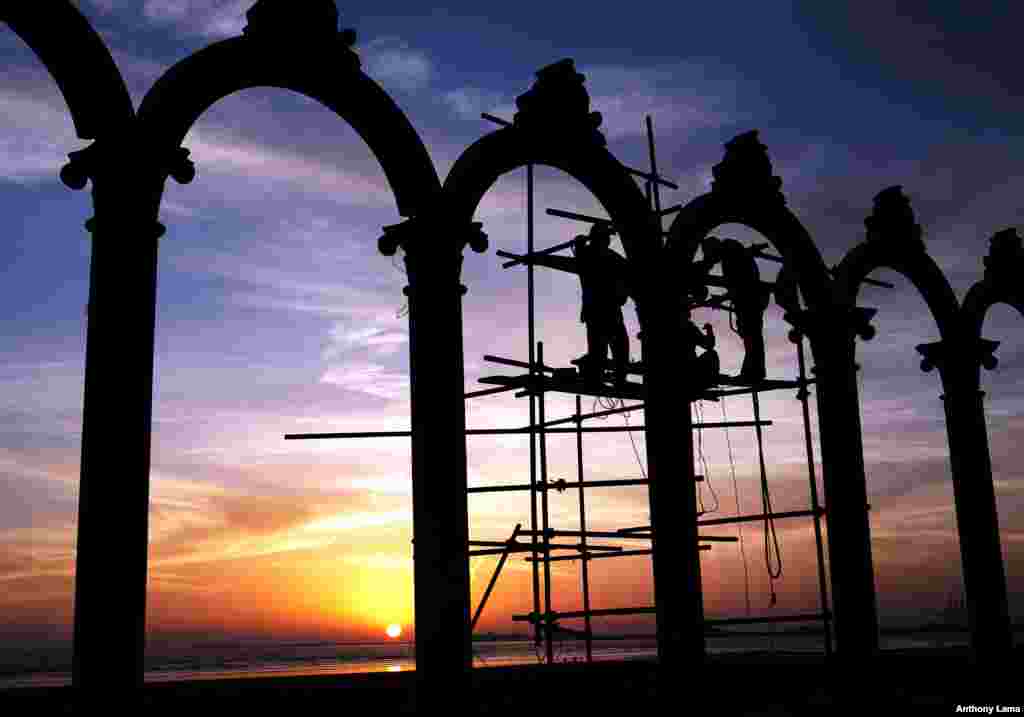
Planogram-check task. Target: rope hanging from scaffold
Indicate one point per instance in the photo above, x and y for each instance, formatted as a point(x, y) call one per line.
point(771, 536)
point(739, 526)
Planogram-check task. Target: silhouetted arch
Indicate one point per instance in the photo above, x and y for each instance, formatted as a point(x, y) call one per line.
point(78, 61)
point(772, 219)
point(917, 266)
point(983, 296)
point(591, 164)
point(326, 72)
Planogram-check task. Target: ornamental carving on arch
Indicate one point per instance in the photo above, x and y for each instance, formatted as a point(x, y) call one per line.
point(559, 103)
point(746, 170)
point(892, 221)
point(296, 23)
point(1004, 264)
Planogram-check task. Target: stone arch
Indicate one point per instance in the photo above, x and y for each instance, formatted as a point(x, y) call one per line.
point(745, 192)
point(894, 242)
point(1000, 285)
point(588, 162)
point(79, 62)
point(313, 60)
point(554, 127)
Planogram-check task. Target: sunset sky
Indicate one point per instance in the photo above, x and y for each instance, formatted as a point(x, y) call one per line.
point(277, 314)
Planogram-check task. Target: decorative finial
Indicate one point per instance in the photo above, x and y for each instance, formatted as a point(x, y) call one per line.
point(892, 217)
point(1005, 256)
point(558, 99)
point(296, 22)
point(746, 167)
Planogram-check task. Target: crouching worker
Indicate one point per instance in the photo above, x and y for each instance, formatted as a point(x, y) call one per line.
point(703, 369)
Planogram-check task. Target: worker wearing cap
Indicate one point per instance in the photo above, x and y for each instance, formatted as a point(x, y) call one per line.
point(604, 280)
point(749, 298)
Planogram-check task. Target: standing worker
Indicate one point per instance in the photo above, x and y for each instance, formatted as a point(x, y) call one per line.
point(749, 298)
point(604, 281)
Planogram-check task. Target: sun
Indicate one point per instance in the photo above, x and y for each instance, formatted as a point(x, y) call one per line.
point(394, 630)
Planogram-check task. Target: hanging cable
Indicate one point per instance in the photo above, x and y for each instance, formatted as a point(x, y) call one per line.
point(771, 536)
point(636, 452)
point(704, 465)
point(739, 526)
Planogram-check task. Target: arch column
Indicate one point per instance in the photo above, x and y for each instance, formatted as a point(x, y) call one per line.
point(113, 509)
point(974, 497)
point(675, 554)
point(842, 456)
point(439, 486)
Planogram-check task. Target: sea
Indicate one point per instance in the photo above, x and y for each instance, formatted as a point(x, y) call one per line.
point(219, 661)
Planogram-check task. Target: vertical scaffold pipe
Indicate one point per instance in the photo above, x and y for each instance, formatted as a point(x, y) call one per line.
point(804, 395)
point(545, 518)
point(531, 331)
point(585, 558)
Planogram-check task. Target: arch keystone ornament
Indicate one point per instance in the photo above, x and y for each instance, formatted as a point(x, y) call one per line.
point(893, 218)
point(746, 169)
point(558, 103)
point(294, 24)
point(1005, 261)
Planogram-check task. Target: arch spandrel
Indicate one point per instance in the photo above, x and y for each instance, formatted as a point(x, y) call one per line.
point(746, 192)
point(79, 62)
point(326, 71)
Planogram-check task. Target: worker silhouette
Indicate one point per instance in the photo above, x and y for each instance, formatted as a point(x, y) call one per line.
point(604, 281)
point(704, 368)
point(749, 298)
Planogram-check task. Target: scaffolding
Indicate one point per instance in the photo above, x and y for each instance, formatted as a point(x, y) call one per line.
point(546, 544)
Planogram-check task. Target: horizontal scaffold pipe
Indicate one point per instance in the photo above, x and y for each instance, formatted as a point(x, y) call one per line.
point(518, 364)
point(540, 548)
point(806, 617)
point(626, 532)
point(613, 534)
point(515, 431)
point(599, 414)
point(596, 556)
point(559, 485)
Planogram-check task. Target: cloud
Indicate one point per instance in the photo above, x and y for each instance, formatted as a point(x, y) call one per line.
point(211, 18)
point(391, 62)
point(381, 340)
point(469, 102)
point(36, 135)
point(217, 153)
point(682, 98)
point(369, 377)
